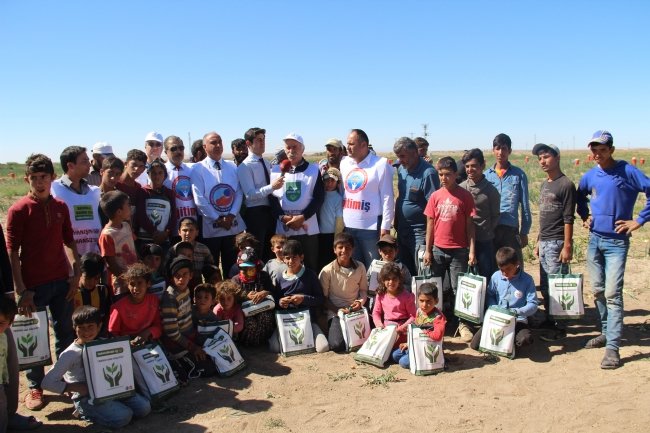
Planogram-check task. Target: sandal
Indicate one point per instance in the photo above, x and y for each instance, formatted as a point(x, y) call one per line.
point(23, 423)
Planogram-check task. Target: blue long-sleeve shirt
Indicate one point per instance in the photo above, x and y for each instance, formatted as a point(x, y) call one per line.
point(513, 187)
point(517, 294)
point(613, 193)
point(304, 283)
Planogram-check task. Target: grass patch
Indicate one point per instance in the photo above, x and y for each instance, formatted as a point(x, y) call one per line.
point(340, 376)
point(380, 380)
point(274, 423)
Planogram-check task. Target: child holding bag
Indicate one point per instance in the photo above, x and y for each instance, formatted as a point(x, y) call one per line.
point(393, 304)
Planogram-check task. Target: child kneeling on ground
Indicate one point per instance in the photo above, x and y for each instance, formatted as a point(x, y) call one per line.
point(393, 305)
point(512, 288)
point(68, 375)
point(298, 286)
point(428, 317)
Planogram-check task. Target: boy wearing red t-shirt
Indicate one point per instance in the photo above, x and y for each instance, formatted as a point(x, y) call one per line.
point(450, 231)
point(41, 249)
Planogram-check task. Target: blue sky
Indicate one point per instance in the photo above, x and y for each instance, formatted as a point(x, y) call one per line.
point(76, 72)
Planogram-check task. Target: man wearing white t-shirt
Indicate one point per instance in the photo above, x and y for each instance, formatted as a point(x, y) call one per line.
point(368, 205)
point(178, 178)
point(82, 198)
point(218, 199)
point(153, 148)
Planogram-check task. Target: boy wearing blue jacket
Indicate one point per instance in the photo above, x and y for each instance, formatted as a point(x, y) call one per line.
point(613, 187)
point(511, 288)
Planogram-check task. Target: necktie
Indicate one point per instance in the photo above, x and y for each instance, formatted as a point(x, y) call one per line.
point(266, 171)
point(217, 165)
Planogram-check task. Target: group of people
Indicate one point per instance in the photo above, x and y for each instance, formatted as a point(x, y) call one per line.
point(160, 250)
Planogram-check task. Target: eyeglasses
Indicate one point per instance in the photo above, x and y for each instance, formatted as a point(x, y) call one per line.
point(176, 148)
point(154, 143)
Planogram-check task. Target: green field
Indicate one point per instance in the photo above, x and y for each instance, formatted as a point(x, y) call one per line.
point(14, 187)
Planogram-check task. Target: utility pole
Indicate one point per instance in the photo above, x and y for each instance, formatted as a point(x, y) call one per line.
point(425, 127)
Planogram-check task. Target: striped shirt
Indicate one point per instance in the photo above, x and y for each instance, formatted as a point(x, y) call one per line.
point(176, 314)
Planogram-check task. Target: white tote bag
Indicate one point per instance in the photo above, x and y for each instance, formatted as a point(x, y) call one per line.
point(210, 330)
point(373, 276)
point(565, 296)
point(224, 353)
point(470, 297)
point(32, 338)
point(416, 282)
point(378, 346)
point(155, 370)
point(109, 369)
point(425, 354)
point(498, 332)
point(356, 328)
point(251, 309)
point(294, 330)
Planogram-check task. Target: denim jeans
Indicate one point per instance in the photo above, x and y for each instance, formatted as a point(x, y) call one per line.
point(606, 259)
point(453, 260)
point(113, 413)
point(507, 236)
point(486, 262)
point(53, 295)
point(408, 242)
point(365, 245)
point(549, 263)
point(401, 357)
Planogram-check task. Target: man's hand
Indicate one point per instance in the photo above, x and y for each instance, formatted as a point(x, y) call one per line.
point(426, 259)
point(566, 254)
point(277, 183)
point(524, 240)
point(26, 304)
point(587, 223)
point(296, 222)
point(626, 226)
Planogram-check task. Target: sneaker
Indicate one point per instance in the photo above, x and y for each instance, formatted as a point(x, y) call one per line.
point(611, 360)
point(34, 399)
point(466, 334)
point(596, 342)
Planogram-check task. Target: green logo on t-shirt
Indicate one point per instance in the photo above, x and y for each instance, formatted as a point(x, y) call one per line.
point(83, 212)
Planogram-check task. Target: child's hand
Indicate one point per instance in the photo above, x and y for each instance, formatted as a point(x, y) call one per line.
point(297, 299)
point(198, 353)
point(284, 302)
point(259, 296)
point(356, 305)
point(403, 347)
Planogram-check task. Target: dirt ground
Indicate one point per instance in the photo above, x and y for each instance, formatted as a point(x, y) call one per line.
point(549, 387)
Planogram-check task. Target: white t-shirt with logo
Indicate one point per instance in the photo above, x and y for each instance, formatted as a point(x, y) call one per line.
point(368, 192)
point(180, 182)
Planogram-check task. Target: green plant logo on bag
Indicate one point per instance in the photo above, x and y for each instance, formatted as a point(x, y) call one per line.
point(227, 353)
point(27, 345)
point(566, 300)
point(113, 374)
point(496, 335)
point(373, 339)
point(431, 352)
point(155, 217)
point(162, 372)
point(293, 190)
point(360, 329)
point(297, 335)
point(467, 300)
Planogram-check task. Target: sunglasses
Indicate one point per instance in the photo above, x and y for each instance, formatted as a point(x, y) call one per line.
point(176, 148)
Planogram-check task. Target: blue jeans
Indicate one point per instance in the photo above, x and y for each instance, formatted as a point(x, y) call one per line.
point(365, 245)
point(485, 259)
point(408, 241)
point(401, 357)
point(53, 295)
point(606, 259)
point(113, 413)
point(549, 263)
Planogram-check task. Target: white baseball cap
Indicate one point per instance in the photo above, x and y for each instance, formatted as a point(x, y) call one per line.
point(294, 136)
point(154, 136)
point(102, 148)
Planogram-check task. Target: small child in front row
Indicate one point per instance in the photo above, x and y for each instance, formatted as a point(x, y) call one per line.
point(428, 317)
point(90, 291)
point(393, 304)
point(228, 308)
point(387, 246)
point(179, 336)
point(296, 287)
point(275, 266)
point(137, 315)
point(512, 288)
point(203, 318)
point(68, 375)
